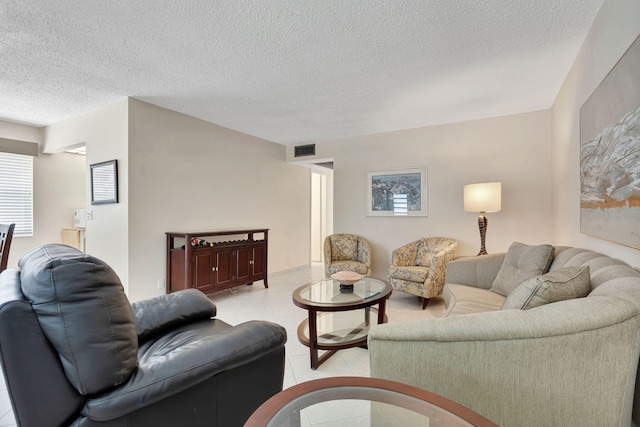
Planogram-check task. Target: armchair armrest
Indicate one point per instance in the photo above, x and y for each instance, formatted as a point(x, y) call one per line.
point(364, 252)
point(439, 263)
point(567, 363)
point(155, 315)
point(180, 360)
point(479, 272)
point(327, 250)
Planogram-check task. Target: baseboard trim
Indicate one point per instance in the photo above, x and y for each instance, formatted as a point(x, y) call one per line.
point(289, 270)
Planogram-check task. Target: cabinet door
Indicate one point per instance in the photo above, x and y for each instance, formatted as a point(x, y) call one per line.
point(202, 264)
point(259, 258)
point(243, 266)
point(223, 274)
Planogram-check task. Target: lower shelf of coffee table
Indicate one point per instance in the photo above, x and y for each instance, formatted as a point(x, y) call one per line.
point(340, 329)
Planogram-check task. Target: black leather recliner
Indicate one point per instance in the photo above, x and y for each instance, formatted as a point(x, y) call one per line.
point(75, 352)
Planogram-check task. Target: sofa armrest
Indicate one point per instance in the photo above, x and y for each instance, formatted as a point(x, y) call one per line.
point(479, 271)
point(155, 315)
point(567, 363)
point(180, 360)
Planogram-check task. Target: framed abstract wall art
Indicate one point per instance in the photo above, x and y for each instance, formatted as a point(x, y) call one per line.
point(610, 155)
point(397, 192)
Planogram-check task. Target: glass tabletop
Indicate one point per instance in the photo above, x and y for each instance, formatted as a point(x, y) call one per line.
point(362, 401)
point(329, 291)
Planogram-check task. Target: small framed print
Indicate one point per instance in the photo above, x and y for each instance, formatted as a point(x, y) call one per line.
point(397, 192)
point(104, 183)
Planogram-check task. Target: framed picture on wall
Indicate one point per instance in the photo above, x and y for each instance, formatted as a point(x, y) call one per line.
point(397, 192)
point(610, 155)
point(104, 183)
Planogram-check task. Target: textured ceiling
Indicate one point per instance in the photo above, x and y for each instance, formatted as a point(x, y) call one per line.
point(290, 71)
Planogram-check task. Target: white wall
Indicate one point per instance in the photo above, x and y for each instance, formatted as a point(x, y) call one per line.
point(58, 189)
point(515, 150)
point(105, 133)
point(614, 30)
point(188, 174)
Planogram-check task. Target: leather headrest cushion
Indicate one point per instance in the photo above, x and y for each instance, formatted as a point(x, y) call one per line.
point(84, 312)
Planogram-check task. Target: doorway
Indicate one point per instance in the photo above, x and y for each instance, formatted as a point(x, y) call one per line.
point(321, 211)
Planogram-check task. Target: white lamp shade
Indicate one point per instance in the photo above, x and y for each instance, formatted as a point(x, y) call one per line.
point(483, 197)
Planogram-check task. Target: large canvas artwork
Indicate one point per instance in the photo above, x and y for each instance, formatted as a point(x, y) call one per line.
point(610, 155)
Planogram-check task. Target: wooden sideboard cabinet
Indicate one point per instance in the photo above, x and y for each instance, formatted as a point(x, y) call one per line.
point(240, 260)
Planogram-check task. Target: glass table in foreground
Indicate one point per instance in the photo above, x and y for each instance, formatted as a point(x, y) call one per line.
point(339, 318)
point(363, 402)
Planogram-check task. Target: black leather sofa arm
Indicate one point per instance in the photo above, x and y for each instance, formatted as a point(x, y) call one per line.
point(181, 359)
point(156, 315)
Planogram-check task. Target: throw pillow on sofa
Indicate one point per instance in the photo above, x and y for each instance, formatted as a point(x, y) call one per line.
point(522, 262)
point(558, 285)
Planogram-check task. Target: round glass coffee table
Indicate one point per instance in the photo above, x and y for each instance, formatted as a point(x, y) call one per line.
point(339, 318)
point(362, 401)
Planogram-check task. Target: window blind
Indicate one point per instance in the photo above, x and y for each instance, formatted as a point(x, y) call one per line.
point(16, 192)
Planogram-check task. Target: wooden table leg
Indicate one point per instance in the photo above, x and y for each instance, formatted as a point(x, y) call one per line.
point(313, 339)
point(381, 309)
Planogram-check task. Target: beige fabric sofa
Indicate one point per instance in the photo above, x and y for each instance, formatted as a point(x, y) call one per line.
point(567, 363)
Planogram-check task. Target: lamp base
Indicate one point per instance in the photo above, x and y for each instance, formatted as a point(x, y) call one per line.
point(482, 224)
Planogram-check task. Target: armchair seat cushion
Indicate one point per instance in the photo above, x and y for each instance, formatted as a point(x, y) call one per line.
point(411, 273)
point(198, 352)
point(356, 266)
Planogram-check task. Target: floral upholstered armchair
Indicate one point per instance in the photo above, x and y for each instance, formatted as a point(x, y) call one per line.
point(346, 252)
point(418, 268)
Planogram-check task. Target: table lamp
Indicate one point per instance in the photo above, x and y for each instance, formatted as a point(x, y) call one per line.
point(483, 197)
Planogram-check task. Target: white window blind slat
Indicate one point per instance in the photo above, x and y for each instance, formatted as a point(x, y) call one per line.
point(16, 192)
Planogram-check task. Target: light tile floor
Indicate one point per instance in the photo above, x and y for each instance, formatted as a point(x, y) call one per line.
point(275, 304)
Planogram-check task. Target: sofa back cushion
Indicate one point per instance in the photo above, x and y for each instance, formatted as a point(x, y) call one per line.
point(609, 273)
point(522, 262)
point(558, 285)
point(83, 311)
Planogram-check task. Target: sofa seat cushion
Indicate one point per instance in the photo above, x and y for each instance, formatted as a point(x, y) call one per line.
point(522, 262)
point(356, 266)
point(558, 285)
point(411, 273)
point(462, 299)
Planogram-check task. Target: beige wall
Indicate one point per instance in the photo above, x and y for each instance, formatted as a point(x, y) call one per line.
point(614, 30)
point(188, 174)
point(515, 150)
point(58, 184)
point(104, 131)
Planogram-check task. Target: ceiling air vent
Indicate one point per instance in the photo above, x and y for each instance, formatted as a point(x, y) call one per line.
point(305, 150)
